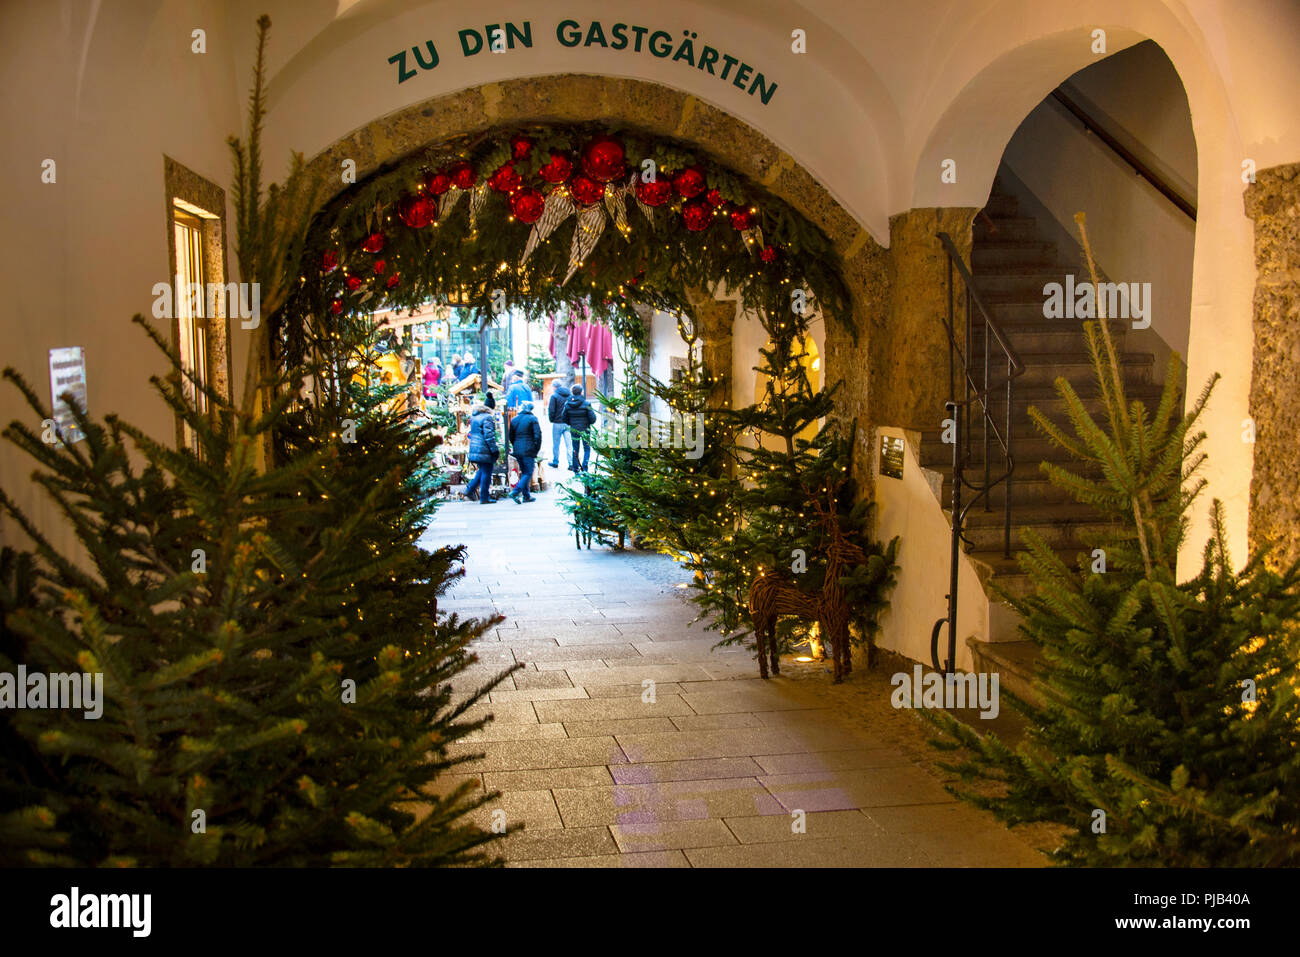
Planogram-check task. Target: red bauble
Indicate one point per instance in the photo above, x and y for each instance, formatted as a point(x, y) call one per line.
point(392, 280)
point(329, 261)
point(557, 170)
point(742, 219)
point(374, 243)
point(527, 205)
point(506, 179)
point(336, 306)
point(462, 176)
point(380, 266)
point(654, 194)
point(586, 191)
point(697, 213)
point(689, 182)
point(768, 255)
point(520, 147)
point(714, 196)
point(353, 283)
point(417, 211)
point(603, 159)
point(437, 183)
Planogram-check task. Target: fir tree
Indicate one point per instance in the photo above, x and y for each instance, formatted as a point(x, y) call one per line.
point(277, 682)
point(1170, 732)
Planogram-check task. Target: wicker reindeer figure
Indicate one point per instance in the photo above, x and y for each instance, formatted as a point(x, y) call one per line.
point(774, 594)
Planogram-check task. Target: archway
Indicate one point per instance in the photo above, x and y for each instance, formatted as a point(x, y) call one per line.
point(642, 221)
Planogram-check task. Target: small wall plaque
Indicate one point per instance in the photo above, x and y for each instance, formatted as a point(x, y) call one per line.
point(891, 456)
point(67, 374)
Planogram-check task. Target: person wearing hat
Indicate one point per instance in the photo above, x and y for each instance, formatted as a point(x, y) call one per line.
point(580, 417)
point(525, 441)
point(483, 451)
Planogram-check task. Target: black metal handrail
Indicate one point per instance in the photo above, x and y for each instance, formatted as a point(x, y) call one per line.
point(978, 385)
point(1092, 125)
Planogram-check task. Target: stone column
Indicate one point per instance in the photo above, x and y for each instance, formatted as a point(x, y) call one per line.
point(1273, 202)
point(714, 320)
point(562, 364)
point(646, 314)
point(910, 366)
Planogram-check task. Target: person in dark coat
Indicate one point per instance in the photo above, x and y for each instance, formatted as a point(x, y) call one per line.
point(483, 451)
point(559, 428)
point(580, 417)
point(526, 440)
point(488, 399)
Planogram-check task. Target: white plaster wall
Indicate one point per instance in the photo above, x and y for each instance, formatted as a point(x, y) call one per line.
point(1136, 234)
point(105, 90)
point(665, 343)
point(907, 507)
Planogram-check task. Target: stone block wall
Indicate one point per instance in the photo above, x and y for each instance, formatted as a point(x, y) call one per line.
point(1273, 202)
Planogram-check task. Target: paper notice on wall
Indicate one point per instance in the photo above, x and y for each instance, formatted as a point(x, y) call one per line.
point(68, 377)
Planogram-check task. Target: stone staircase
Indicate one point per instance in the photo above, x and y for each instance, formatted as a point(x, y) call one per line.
point(1011, 262)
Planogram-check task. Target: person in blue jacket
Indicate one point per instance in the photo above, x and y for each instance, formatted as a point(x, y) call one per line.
point(526, 441)
point(520, 392)
point(483, 452)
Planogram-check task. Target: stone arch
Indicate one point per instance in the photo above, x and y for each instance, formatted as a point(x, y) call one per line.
point(985, 107)
point(660, 110)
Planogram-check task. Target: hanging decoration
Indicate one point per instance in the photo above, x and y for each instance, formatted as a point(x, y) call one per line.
point(558, 208)
point(522, 185)
point(614, 203)
point(591, 223)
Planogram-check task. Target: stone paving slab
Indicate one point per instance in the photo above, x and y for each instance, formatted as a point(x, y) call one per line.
point(692, 770)
point(534, 809)
point(535, 694)
point(638, 804)
point(723, 769)
point(582, 776)
point(859, 788)
point(525, 755)
point(616, 726)
point(592, 709)
point(731, 742)
point(669, 835)
point(645, 859)
point(544, 845)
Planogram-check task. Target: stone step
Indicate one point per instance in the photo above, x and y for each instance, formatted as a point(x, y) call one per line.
point(1016, 663)
point(1034, 335)
point(1029, 489)
point(1044, 368)
point(1012, 253)
point(1001, 205)
point(1064, 525)
point(1028, 445)
point(1006, 229)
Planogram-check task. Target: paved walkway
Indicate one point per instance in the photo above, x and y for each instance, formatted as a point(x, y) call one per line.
point(710, 769)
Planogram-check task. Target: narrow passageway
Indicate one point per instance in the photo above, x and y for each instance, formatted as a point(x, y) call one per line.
point(708, 770)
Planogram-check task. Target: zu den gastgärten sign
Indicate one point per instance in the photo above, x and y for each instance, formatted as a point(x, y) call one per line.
point(684, 47)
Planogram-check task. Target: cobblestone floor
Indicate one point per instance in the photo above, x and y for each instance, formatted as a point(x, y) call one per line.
point(708, 774)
